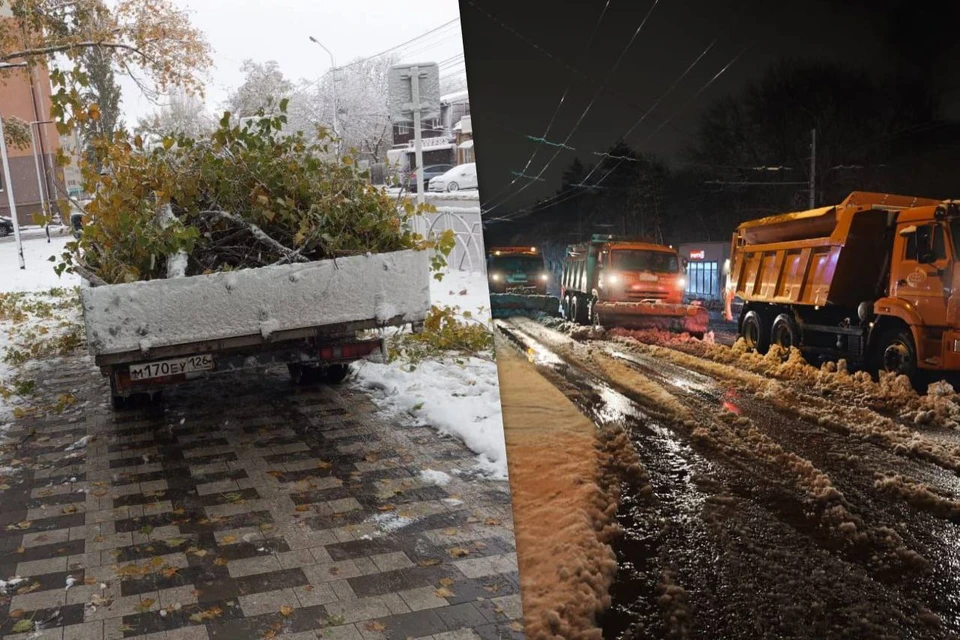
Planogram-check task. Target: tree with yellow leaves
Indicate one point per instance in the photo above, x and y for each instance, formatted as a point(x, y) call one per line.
point(152, 41)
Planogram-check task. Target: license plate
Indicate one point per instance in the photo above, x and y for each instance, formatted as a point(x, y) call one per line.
point(176, 367)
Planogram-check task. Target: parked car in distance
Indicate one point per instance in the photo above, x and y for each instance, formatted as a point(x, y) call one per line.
point(463, 176)
point(429, 173)
point(6, 227)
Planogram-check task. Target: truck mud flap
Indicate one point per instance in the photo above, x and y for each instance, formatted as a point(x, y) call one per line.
point(676, 318)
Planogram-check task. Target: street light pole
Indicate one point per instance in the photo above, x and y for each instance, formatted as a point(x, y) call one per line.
point(333, 70)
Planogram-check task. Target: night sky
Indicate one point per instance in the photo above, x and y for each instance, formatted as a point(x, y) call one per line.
point(515, 86)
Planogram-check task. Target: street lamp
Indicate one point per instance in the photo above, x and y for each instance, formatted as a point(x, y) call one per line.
point(333, 69)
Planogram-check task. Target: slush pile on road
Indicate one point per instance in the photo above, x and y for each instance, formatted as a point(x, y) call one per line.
point(787, 500)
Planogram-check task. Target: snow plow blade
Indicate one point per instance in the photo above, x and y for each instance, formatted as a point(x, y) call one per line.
point(506, 305)
point(678, 318)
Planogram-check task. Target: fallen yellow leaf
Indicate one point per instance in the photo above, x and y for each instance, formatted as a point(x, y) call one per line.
point(286, 610)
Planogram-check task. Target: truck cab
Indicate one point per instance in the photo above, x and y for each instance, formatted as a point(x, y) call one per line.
point(628, 283)
point(517, 270)
point(637, 271)
point(924, 289)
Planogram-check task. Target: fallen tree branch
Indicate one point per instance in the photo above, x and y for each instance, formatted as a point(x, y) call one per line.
point(83, 271)
point(258, 233)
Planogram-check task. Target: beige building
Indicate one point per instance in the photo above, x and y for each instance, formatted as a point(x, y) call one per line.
point(25, 94)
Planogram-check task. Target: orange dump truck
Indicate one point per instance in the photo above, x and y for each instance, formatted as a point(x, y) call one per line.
point(628, 283)
point(875, 279)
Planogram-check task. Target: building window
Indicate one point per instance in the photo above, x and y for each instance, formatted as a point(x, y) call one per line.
point(703, 280)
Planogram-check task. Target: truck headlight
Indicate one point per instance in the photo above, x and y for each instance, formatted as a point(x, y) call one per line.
point(681, 283)
point(612, 278)
point(495, 277)
point(544, 277)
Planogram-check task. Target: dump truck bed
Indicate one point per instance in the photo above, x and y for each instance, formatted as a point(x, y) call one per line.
point(830, 255)
point(128, 322)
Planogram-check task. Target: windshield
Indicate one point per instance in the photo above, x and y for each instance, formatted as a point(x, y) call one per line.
point(527, 264)
point(955, 235)
point(640, 260)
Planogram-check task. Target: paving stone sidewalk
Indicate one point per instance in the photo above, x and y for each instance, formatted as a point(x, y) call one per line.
point(243, 507)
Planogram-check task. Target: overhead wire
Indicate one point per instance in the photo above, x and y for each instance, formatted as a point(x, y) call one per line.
point(565, 195)
point(583, 55)
point(589, 106)
point(575, 190)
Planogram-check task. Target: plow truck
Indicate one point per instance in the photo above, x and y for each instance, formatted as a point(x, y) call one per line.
point(628, 283)
point(874, 279)
point(519, 282)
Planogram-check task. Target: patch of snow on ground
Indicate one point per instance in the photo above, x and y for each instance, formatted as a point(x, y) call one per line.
point(38, 274)
point(469, 406)
point(389, 522)
point(79, 444)
point(465, 289)
point(12, 582)
point(439, 478)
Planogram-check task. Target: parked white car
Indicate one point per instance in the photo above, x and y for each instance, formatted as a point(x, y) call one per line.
point(462, 176)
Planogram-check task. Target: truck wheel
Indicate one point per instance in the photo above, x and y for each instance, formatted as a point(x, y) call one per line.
point(898, 354)
point(565, 308)
point(302, 374)
point(578, 311)
point(785, 332)
point(755, 332)
point(335, 373)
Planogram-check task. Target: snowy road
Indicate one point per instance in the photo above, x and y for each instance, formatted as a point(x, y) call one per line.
point(780, 507)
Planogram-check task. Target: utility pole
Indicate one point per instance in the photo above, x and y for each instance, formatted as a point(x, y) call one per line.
point(41, 183)
point(813, 168)
point(333, 70)
point(8, 183)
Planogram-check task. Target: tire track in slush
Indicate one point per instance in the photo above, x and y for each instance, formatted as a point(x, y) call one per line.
point(756, 565)
point(853, 465)
point(657, 534)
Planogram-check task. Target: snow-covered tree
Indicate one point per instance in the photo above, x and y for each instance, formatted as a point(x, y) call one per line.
point(183, 114)
point(363, 117)
point(263, 87)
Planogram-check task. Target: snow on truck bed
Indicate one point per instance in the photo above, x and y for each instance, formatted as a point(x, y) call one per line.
point(140, 316)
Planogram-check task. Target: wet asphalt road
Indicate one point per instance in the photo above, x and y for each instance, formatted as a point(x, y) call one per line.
point(761, 524)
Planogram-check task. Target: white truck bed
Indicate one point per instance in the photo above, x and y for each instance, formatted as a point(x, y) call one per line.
point(390, 288)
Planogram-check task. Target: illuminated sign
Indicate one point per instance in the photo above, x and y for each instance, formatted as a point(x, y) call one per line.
point(698, 255)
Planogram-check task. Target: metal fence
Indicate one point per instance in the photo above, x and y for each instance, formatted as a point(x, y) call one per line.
point(468, 252)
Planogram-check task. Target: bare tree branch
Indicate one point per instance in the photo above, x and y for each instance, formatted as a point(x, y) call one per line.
point(258, 233)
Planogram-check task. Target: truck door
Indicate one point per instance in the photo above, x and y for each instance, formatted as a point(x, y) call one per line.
point(923, 274)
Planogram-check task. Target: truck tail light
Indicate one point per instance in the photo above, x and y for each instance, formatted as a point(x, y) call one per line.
point(350, 351)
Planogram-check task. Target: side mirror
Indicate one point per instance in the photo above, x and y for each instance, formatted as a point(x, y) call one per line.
point(685, 262)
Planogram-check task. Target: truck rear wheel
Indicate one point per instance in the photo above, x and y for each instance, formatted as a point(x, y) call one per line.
point(755, 332)
point(303, 374)
point(785, 332)
point(897, 353)
point(336, 373)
